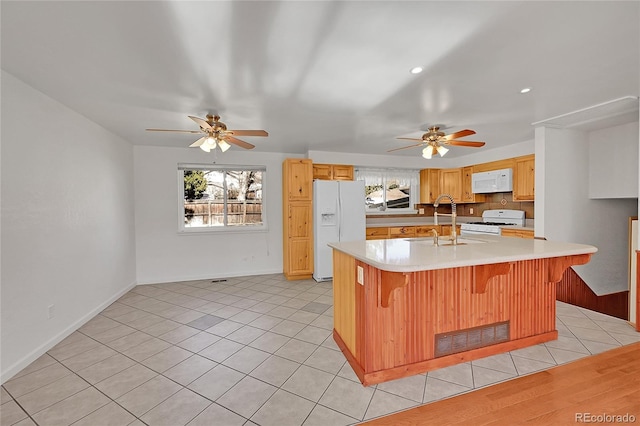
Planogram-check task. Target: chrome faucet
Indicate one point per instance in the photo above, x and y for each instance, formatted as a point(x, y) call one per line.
point(454, 234)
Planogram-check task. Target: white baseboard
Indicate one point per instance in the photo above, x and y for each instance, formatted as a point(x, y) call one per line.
point(180, 278)
point(42, 349)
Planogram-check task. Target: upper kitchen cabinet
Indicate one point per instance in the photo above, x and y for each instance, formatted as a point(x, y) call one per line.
point(429, 185)
point(451, 183)
point(297, 179)
point(332, 171)
point(467, 193)
point(524, 173)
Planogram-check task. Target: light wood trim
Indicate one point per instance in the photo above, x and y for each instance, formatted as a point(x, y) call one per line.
point(426, 229)
point(507, 163)
point(519, 233)
point(483, 273)
point(390, 281)
point(377, 233)
point(344, 298)
point(322, 171)
point(638, 292)
point(332, 171)
point(342, 172)
point(558, 265)
point(402, 231)
point(449, 360)
point(573, 290)
point(353, 362)
point(524, 172)
point(604, 383)
point(297, 218)
point(397, 315)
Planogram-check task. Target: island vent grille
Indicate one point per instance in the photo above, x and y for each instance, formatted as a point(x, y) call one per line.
point(471, 338)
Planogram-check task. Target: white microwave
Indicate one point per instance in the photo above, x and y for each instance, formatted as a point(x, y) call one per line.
point(493, 181)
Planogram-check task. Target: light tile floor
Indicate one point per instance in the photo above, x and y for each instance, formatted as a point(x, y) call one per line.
point(251, 350)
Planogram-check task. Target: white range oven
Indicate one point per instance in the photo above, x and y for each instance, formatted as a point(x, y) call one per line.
point(493, 221)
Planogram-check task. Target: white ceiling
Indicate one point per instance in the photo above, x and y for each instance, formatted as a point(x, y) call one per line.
point(326, 75)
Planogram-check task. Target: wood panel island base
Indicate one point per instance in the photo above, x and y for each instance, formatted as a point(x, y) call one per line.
point(403, 307)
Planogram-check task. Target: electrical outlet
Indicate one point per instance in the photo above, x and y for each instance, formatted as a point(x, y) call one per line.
point(421, 211)
point(470, 210)
point(360, 275)
point(51, 311)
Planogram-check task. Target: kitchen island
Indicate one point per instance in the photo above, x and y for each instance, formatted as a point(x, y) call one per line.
point(407, 306)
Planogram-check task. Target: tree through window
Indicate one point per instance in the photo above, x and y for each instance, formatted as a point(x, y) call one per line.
point(222, 197)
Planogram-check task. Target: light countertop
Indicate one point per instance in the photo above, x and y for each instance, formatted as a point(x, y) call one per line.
point(428, 220)
point(419, 254)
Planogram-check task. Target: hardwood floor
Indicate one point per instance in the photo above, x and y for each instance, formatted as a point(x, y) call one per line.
point(603, 384)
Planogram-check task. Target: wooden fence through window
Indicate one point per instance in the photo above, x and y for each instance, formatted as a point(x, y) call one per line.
point(211, 212)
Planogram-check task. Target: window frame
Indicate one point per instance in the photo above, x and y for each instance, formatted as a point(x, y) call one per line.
point(184, 230)
point(386, 174)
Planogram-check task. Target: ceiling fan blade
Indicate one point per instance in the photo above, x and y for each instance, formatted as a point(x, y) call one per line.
point(464, 143)
point(460, 134)
point(198, 142)
point(247, 132)
point(167, 130)
point(405, 147)
point(235, 141)
point(200, 122)
point(411, 139)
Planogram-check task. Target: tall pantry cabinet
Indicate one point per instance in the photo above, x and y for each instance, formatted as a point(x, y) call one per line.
point(297, 215)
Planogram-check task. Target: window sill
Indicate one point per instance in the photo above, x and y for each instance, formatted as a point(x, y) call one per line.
point(223, 230)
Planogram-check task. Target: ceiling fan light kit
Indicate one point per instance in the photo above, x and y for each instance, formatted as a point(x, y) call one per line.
point(434, 140)
point(216, 134)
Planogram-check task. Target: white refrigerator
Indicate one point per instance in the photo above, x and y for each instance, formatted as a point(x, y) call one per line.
point(338, 215)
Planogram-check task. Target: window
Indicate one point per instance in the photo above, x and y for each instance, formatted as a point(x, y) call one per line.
point(389, 190)
point(214, 197)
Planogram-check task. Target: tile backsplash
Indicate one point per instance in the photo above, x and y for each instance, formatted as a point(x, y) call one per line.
point(500, 200)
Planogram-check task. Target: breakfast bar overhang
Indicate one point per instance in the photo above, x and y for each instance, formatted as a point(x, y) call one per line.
point(407, 306)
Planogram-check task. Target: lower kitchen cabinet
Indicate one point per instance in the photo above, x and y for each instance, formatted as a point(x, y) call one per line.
point(378, 233)
point(402, 231)
point(519, 233)
point(381, 233)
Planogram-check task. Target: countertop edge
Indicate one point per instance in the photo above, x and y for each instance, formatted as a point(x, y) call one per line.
point(473, 256)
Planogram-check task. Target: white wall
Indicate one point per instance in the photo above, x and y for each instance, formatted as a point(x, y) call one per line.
point(475, 156)
point(613, 162)
point(164, 255)
point(67, 222)
point(569, 215)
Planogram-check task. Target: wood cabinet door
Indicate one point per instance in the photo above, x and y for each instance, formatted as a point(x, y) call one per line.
point(300, 217)
point(429, 185)
point(518, 233)
point(342, 172)
point(300, 256)
point(467, 192)
point(299, 175)
point(426, 230)
point(322, 171)
point(451, 183)
point(402, 231)
point(524, 178)
point(446, 230)
point(377, 233)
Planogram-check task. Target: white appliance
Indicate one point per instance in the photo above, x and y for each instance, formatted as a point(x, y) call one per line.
point(493, 221)
point(338, 215)
point(493, 181)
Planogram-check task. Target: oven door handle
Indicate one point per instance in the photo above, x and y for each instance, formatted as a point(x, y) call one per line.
point(470, 232)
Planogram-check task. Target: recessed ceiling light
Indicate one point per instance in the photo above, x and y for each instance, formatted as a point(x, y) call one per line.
point(416, 70)
point(525, 90)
